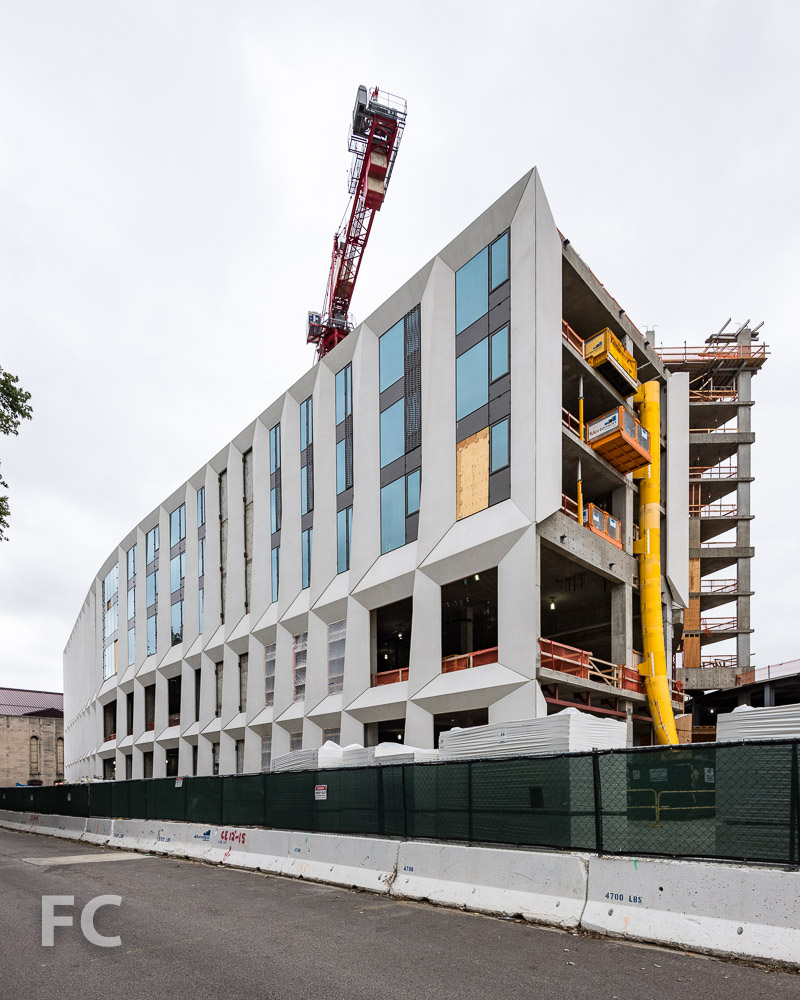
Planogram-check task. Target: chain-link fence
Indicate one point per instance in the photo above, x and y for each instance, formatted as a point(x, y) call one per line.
point(737, 802)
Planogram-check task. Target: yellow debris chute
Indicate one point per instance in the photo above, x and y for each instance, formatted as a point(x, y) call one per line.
point(648, 548)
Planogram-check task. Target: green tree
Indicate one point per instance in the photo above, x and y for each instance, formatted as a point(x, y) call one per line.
point(14, 408)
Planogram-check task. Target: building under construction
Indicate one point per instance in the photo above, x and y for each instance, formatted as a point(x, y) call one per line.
point(472, 509)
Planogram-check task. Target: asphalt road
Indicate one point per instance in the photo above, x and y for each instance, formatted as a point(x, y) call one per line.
point(194, 931)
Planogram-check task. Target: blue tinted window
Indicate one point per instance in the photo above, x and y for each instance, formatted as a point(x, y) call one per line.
point(152, 588)
point(201, 557)
point(391, 351)
point(200, 609)
point(304, 490)
point(306, 553)
point(412, 492)
point(472, 290)
point(177, 571)
point(393, 515)
point(500, 261)
point(273, 510)
point(276, 563)
point(306, 424)
point(499, 352)
point(275, 448)
point(152, 629)
point(152, 544)
point(472, 379)
point(499, 446)
point(201, 507)
point(344, 402)
point(344, 521)
point(393, 433)
point(131, 603)
point(341, 467)
point(131, 562)
point(131, 645)
point(177, 622)
point(177, 525)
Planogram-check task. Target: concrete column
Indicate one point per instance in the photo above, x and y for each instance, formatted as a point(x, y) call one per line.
point(628, 706)
point(419, 727)
point(352, 731)
point(622, 625)
point(743, 459)
point(252, 751)
point(426, 635)
point(622, 509)
point(184, 757)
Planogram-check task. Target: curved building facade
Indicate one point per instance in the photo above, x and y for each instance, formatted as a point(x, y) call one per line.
point(392, 548)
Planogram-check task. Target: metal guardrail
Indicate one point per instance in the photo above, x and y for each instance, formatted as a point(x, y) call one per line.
point(712, 352)
point(572, 338)
point(728, 471)
point(713, 510)
point(658, 808)
point(727, 394)
point(725, 585)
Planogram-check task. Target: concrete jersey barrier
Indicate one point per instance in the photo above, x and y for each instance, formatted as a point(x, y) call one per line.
point(540, 887)
point(731, 910)
point(728, 910)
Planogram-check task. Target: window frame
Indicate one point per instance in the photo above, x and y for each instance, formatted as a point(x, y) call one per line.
point(492, 428)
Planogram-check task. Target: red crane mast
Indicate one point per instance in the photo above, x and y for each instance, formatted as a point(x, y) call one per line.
point(378, 122)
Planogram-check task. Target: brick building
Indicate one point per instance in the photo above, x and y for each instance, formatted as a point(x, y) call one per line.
point(31, 737)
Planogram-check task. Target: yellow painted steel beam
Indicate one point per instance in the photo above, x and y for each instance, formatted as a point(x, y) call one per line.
point(654, 667)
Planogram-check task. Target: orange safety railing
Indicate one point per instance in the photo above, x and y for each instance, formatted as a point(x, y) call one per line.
point(719, 661)
point(569, 507)
point(390, 677)
point(727, 471)
point(712, 352)
point(110, 736)
point(712, 509)
point(721, 585)
point(463, 661)
point(726, 394)
point(581, 663)
point(718, 624)
point(149, 726)
point(572, 338)
point(571, 422)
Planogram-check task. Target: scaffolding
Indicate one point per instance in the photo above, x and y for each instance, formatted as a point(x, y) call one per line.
point(720, 442)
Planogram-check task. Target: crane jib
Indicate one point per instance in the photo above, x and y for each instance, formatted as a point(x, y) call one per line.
point(378, 123)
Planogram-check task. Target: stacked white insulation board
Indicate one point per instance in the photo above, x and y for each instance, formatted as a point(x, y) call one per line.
point(385, 753)
point(746, 723)
point(564, 732)
point(328, 755)
point(332, 755)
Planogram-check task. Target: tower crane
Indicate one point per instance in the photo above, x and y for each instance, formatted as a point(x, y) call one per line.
point(378, 122)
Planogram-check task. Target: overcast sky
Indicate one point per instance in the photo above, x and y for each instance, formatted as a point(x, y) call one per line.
point(172, 173)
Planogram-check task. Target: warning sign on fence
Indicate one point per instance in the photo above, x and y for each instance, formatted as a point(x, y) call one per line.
point(320, 792)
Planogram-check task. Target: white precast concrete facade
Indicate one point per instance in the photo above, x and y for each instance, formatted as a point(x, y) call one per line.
point(225, 732)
